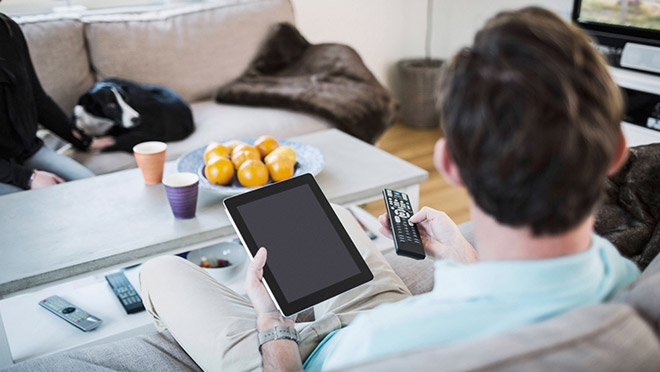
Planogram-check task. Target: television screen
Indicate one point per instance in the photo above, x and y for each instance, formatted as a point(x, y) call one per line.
point(644, 14)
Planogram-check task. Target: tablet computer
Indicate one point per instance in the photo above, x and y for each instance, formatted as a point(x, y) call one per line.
point(311, 257)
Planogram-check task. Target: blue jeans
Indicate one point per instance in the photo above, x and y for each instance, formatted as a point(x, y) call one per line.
point(48, 160)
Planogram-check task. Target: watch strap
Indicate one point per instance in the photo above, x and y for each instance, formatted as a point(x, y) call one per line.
point(278, 333)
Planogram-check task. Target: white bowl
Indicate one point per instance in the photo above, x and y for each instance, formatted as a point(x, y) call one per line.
point(232, 252)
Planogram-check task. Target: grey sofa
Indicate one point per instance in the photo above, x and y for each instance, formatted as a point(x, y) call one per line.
point(621, 335)
point(193, 49)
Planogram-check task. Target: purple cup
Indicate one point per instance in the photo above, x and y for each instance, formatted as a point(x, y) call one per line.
point(181, 190)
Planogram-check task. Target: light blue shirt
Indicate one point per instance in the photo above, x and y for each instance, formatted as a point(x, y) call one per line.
point(477, 300)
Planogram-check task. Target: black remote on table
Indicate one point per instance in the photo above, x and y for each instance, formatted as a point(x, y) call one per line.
point(407, 241)
point(127, 295)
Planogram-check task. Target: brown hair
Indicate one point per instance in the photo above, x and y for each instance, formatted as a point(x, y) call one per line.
point(531, 116)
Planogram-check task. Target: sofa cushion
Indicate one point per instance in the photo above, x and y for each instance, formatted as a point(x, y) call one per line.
point(192, 49)
point(644, 295)
point(216, 122)
point(595, 338)
point(58, 53)
point(151, 352)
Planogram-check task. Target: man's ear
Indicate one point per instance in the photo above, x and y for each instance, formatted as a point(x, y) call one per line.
point(444, 163)
point(620, 155)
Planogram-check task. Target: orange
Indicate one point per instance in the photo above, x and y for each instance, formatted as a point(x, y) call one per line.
point(266, 144)
point(233, 143)
point(219, 170)
point(239, 157)
point(280, 167)
point(244, 147)
point(253, 173)
point(215, 149)
point(283, 150)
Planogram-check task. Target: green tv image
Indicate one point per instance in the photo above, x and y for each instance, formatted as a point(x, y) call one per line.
point(629, 13)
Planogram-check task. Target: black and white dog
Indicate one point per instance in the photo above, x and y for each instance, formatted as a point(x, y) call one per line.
point(132, 113)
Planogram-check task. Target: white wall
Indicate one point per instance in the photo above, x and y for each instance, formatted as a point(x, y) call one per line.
point(458, 21)
point(382, 31)
point(385, 31)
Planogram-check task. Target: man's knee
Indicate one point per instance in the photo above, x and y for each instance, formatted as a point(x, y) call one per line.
point(156, 270)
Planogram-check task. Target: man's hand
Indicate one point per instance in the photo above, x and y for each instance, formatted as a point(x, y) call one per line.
point(44, 179)
point(101, 143)
point(440, 236)
point(278, 355)
point(267, 314)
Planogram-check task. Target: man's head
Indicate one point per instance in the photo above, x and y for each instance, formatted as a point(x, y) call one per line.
point(532, 121)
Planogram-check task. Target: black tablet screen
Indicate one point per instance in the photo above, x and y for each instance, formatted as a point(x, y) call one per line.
point(305, 252)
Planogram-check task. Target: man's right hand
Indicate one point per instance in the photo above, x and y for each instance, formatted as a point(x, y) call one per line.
point(44, 179)
point(440, 236)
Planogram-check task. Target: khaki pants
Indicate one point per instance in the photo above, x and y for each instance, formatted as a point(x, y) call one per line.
point(216, 326)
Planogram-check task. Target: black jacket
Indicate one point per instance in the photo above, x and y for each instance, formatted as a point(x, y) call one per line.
point(23, 105)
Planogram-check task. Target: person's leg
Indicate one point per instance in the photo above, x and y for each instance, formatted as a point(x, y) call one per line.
point(213, 324)
point(48, 160)
point(385, 287)
point(6, 188)
point(340, 310)
point(216, 326)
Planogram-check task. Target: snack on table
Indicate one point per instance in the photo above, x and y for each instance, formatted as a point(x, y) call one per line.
point(219, 170)
point(283, 150)
point(253, 173)
point(266, 144)
point(224, 160)
point(280, 167)
point(215, 149)
point(218, 264)
point(238, 157)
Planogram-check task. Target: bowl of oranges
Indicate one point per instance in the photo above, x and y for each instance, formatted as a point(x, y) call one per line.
point(232, 167)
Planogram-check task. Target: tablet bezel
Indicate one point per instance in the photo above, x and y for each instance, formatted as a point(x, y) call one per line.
point(273, 287)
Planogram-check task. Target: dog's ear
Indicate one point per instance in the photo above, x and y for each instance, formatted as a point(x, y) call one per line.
point(121, 89)
point(85, 100)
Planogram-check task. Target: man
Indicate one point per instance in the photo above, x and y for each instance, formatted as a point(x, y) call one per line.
point(531, 118)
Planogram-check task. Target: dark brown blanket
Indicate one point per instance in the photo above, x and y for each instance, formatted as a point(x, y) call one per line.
point(328, 80)
point(629, 215)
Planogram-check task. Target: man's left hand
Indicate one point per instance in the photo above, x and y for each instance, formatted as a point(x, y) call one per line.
point(102, 142)
point(267, 314)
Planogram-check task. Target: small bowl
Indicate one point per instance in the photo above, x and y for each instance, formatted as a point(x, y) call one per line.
point(232, 252)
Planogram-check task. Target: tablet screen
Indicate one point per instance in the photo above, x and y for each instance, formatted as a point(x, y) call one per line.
point(305, 251)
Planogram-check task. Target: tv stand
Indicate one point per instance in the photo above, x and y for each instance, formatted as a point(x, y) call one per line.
point(643, 92)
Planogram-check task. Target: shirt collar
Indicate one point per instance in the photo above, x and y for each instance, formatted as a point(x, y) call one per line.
point(515, 278)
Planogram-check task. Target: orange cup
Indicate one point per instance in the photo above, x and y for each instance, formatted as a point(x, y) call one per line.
point(150, 157)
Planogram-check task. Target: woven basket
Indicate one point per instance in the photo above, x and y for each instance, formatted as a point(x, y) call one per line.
point(418, 80)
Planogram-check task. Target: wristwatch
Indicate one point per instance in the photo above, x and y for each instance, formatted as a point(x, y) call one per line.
point(278, 333)
point(32, 176)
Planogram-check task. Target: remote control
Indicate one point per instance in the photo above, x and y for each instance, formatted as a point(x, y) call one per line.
point(406, 235)
point(127, 295)
point(69, 312)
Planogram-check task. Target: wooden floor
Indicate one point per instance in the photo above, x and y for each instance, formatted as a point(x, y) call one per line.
point(416, 146)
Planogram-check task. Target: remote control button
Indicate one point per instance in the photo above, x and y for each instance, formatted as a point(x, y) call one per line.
point(405, 196)
point(68, 310)
point(397, 219)
point(389, 193)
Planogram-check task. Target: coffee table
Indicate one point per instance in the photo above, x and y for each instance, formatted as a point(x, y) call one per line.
point(82, 228)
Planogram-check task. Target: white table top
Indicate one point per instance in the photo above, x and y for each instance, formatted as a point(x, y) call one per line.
point(83, 226)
